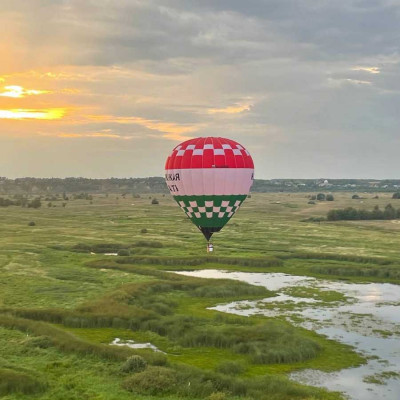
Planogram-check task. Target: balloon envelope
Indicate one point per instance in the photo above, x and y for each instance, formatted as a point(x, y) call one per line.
point(209, 178)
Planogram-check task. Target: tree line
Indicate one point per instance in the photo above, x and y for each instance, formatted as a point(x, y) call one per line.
point(352, 214)
point(21, 201)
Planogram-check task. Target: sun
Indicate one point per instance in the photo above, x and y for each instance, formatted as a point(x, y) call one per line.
point(44, 114)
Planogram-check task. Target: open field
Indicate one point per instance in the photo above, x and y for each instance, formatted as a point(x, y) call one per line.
point(62, 301)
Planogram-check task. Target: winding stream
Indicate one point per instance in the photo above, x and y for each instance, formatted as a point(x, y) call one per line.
point(366, 316)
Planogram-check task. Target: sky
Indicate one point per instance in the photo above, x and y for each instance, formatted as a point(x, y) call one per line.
point(108, 88)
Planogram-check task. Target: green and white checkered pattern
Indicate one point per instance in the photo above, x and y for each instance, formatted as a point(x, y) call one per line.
point(210, 211)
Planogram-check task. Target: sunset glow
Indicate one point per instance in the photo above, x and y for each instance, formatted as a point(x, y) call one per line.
point(47, 114)
point(19, 91)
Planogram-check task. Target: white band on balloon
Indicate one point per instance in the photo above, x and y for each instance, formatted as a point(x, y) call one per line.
point(209, 181)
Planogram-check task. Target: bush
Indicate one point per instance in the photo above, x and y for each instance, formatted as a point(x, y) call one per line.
point(321, 197)
point(154, 201)
point(396, 195)
point(35, 203)
point(153, 381)
point(231, 367)
point(32, 223)
point(134, 364)
point(144, 230)
point(43, 342)
point(124, 252)
point(351, 214)
point(355, 197)
point(329, 197)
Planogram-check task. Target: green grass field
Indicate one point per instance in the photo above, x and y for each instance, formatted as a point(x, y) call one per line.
point(62, 301)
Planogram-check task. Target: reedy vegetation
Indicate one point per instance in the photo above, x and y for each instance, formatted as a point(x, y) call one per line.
point(45, 281)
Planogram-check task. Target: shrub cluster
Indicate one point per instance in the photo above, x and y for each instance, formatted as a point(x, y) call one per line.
point(134, 364)
point(352, 214)
point(321, 197)
point(82, 196)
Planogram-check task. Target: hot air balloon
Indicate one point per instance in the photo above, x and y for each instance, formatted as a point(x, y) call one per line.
point(209, 177)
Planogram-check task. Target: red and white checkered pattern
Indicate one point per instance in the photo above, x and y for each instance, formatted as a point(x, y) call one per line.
point(210, 152)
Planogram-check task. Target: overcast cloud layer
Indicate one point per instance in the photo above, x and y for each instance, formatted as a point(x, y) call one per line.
point(108, 88)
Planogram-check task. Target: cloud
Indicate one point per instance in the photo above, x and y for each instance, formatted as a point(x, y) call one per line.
point(171, 130)
point(371, 70)
point(230, 109)
point(94, 135)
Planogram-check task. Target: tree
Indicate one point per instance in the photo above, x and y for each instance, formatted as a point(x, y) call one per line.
point(396, 195)
point(321, 197)
point(329, 197)
point(36, 203)
point(377, 213)
point(390, 212)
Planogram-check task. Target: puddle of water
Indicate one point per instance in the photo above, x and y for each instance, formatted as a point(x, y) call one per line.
point(133, 345)
point(369, 320)
point(110, 254)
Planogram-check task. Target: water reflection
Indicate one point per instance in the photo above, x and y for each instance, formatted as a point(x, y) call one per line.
point(368, 319)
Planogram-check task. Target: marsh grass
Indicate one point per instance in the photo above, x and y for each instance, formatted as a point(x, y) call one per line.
point(68, 342)
point(231, 367)
point(340, 257)
point(44, 283)
point(392, 273)
point(17, 382)
point(194, 261)
point(192, 382)
point(150, 307)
